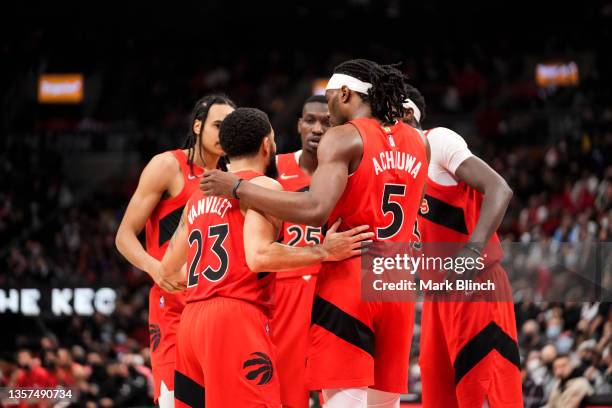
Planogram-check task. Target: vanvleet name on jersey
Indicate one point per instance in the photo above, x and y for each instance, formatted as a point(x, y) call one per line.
point(209, 205)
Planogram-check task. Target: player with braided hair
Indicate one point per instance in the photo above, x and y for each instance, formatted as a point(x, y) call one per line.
point(359, 350)
point(164, 187)
point(208, 148)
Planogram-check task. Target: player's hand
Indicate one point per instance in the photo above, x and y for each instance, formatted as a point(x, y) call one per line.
point(172, 283)
point(346, 244)
point(218, 183)
point(468, 257)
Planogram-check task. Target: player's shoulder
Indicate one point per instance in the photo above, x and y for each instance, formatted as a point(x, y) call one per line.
point(347, 129)
point(165, 161)
point(444, 134)
point(267, 182)
point(159, 172)
point(342, 142)
point(342, 136)
point(285, 158)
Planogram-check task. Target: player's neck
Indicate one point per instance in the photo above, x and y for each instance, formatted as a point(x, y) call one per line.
point(308, 162)
point(362, 111)
point(248, 164)
point(206, 160)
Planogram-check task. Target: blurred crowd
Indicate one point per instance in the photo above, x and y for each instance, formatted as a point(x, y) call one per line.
point(52, 237)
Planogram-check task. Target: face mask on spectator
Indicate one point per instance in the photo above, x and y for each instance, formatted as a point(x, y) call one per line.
point(587, 361)
point(564, 344)
point(533, 365)
point(553, 332)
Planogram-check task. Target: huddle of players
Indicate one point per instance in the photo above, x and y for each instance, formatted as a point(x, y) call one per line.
point(249, 337)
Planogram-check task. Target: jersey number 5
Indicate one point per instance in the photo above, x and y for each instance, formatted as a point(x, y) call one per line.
point(393, 207)
point(219, 232)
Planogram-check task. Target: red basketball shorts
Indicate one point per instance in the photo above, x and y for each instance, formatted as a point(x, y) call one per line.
point(290, 327)
point(164, 316)
point(469, 353)
point(225, 356)
point(356, 343)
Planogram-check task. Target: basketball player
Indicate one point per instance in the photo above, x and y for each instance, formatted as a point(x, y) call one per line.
point(354, 344)
point(295, 290)
point(225, 352)
point(165, 184)
point(469, 350)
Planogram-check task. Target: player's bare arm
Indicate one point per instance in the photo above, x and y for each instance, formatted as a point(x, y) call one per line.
point(497, 194)
point(263, 253)
point(156, 178)
point(172, 276)
point(428, 154)
point(339, 154)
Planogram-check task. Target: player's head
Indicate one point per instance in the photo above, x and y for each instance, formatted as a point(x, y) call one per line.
point(206, 117)
point(360, 81)
point(415, 107)
point(247, 133)
point(313, 123)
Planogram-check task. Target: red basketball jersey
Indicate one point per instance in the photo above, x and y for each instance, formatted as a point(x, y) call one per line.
point(216, 263)
point(385, 190)
point(166, 216)
point(449, 214)
point(292, 178)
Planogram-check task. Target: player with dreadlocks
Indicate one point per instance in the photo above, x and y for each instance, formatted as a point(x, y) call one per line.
point(165, 185)
point(371, 170)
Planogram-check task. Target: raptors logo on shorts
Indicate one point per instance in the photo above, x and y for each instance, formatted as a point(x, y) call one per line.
point(154, 335)
point(258, 368)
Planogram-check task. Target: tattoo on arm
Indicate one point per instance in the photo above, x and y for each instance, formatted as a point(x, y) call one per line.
point(176, 233)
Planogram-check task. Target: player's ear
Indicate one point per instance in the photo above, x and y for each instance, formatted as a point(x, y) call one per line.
point(345, 94)
point(266, 146)
point(409, 114)
point(299, 124)
point(197, 126)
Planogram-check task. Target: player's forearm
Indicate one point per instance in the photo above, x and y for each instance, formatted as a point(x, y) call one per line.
point(300, 208)
point(169, 271)
point(278, 257)
point(130, 247)
point(494, 205)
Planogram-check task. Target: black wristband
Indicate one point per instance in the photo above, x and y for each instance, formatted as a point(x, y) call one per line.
point(473, 249)
point(235, 189)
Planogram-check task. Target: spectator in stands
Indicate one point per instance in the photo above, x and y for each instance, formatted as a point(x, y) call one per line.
point(31, 373)
point(571, 387)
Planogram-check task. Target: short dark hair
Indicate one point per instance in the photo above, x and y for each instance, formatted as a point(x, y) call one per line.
point(387, 94)
point(242, 132)
point(316, 99)
point(418, 99)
